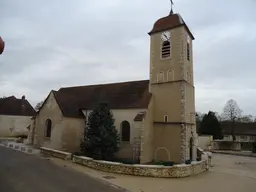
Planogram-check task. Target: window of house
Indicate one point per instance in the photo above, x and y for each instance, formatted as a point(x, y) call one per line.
point(125, 131)
point(166, 118)
point(166, 49)
point(48, 131)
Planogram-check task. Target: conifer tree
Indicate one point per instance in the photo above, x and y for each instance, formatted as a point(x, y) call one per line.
point(101, 140)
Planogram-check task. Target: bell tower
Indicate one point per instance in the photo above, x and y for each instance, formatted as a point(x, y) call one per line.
point(172, 87)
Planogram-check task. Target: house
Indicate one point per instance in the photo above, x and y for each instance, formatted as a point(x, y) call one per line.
point(244, 132)
point(155, 117)
point(245, 136)
point(15, 116)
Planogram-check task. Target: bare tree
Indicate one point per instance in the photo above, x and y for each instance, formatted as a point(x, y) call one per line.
point(246, 119)
point(39, 105)
point(232, 112)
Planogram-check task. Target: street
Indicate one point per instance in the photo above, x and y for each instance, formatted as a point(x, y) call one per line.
point(28, 173)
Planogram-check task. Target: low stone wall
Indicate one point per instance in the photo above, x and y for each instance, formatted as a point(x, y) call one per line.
point(176, 171)
point(55, 153)
point(226, 145)
point(6, 139)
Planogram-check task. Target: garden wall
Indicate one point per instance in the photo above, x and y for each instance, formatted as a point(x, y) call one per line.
point(55, 153)
point(176, 171)
point(226, 145)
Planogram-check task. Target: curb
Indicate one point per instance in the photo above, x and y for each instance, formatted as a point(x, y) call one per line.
point(22, 149)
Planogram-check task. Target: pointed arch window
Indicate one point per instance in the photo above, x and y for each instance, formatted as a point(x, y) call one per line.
point(48, 128)
point(170, 75)
point(125, 131)
point(160, 77)
point(166, 49)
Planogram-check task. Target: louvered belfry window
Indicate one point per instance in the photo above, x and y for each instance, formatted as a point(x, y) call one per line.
point(166, 49)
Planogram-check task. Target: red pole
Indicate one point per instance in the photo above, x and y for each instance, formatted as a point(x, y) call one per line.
point(2, 45)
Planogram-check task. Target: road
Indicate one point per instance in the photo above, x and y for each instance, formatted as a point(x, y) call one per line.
point(20, 172)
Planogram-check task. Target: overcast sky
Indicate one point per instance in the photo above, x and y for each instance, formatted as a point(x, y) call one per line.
point(57, 43)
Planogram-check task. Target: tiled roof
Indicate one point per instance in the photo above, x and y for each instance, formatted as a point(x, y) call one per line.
point(170, 22)
point(239, 128)
point(13, 106)
point(125, 95)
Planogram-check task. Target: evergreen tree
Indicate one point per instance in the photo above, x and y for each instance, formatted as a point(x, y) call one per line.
point(101, 139)
point(211, 126)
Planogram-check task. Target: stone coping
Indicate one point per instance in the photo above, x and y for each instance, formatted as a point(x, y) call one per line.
point(55, 153)
point(160, 171)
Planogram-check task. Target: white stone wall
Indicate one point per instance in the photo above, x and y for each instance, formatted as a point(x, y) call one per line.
point(204, 142)
point(14, 125)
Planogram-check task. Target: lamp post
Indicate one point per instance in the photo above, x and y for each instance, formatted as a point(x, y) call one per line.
point(2, 45)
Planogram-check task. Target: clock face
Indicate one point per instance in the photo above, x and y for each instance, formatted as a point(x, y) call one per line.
point(166, 36)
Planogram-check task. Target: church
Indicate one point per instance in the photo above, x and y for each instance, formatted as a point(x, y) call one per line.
point(155, 118)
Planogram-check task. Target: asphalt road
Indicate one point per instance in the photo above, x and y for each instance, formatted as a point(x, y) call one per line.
point(20, 172)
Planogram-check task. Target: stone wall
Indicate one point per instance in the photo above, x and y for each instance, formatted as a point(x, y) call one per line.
point(55, 153)
point(11, 126)
point(226, 145)
point(176, 171)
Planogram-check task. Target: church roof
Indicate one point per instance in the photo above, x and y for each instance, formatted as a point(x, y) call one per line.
point(125, 95)
point(18, 107)
point(170, 22)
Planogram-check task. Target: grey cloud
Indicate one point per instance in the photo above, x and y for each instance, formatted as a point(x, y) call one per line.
point(52, 44)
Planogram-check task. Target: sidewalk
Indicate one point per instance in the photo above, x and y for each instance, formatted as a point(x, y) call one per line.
point(20, 147)
point(238, 153)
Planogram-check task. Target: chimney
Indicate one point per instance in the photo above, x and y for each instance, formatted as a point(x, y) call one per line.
point(23, 97)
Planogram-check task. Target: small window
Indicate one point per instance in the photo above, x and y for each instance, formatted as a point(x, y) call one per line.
point(48, 125)
point(166, 118)
point(125, 131)
point(188, 51)
point(166, 49)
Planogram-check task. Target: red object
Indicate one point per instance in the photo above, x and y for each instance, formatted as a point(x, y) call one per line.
point(2, 44)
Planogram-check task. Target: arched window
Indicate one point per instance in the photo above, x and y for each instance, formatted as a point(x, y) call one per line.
point(125, 131)
point(166, 49)
point(166, 118)
point(170, 75)
point(48, 125)
point(160, 77)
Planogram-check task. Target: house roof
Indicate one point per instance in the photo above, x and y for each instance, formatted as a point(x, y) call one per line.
point(13, 106)
point(170, 22)
point(124, 95)
point(239, 128)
